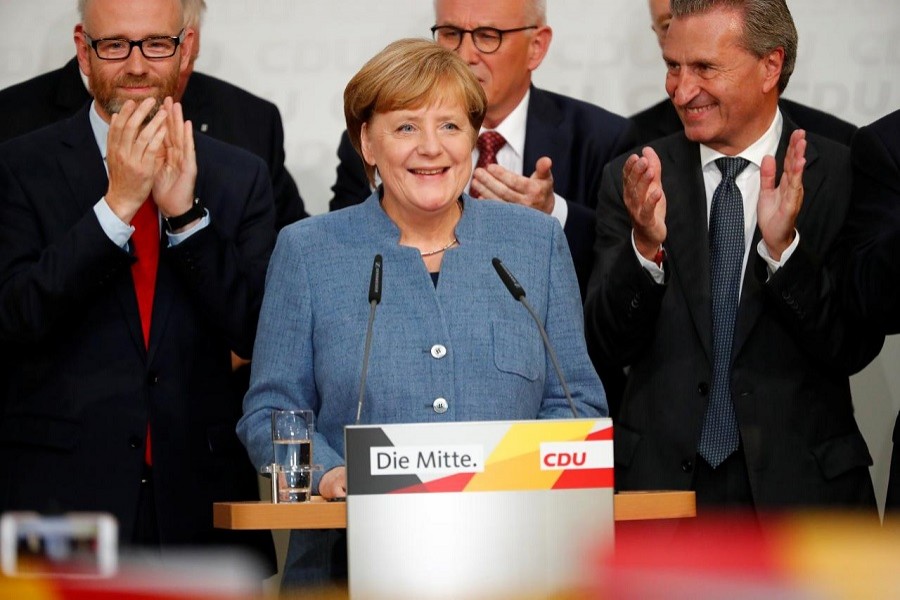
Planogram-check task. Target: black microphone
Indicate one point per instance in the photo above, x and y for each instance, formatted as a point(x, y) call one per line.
point(374, 299)
point(518, 293)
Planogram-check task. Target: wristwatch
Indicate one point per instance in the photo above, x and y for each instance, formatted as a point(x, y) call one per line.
point(175, 223)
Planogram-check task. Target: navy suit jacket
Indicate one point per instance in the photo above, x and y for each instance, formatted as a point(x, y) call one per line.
point(215, 107)
point(873, 230)
point(794, 343)
point(82, 385)
point(661, 120)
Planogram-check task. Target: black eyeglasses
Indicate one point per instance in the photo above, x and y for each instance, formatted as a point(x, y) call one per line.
point(487, 40)
point(120, 48)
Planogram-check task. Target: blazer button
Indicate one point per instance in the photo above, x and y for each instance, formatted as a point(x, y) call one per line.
point(135, 441)
point(687, 466)
point(438, 351)
point(439, 405)
point(703, 388)
point(152, 378)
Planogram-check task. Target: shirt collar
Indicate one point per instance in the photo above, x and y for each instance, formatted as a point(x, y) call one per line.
point(764, 146)
point(512, 128)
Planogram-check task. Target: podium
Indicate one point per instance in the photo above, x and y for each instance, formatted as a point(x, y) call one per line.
point(465, 509)
point(485, 509)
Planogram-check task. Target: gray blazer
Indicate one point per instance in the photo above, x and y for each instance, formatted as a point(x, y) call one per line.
point(312, 328)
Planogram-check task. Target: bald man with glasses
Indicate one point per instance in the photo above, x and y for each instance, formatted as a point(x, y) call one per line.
point(553, 148)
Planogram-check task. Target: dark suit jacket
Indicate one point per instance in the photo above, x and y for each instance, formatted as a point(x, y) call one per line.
point(794, 346)
point(873, 229)
point(82, 386)
point(661, 120)
point(215, 107)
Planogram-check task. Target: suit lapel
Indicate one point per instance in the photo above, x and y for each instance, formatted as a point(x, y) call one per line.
point(167, 283)
point(753, 294)
point(162, 302)
point(543, 137)
point(196, 106)
point(687, 242)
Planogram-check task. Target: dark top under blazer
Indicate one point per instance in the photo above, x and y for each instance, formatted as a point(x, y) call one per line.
point(794, 345)
point(661, 120)
point(873, 229)
point(82, 385)
point(217, 108)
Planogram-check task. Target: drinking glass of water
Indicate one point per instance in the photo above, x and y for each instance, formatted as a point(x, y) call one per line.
point(292, 433)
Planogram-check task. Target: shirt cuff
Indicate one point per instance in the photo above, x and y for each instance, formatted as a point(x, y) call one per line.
point(656, 272)
point(773, 264)
point(115, 228)
point(560, 209)
point(177, 238)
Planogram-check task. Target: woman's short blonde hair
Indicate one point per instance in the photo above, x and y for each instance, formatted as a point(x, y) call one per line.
point(410, 73)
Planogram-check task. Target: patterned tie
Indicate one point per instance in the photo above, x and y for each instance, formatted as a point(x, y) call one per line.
point(145, 242)
point(720, 436)
point(488, 144)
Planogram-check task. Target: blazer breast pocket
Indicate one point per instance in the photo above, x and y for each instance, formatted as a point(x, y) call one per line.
point(518, 349)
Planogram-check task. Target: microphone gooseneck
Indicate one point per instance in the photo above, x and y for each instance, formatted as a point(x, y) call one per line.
point(518, 293)
point(374, 299)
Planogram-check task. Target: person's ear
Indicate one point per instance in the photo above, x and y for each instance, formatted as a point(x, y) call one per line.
point(539, 45)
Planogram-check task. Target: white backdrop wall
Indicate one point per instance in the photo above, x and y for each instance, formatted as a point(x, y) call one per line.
point(300, 54)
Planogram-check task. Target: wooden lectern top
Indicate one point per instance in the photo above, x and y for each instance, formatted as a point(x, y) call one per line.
point(321, 514)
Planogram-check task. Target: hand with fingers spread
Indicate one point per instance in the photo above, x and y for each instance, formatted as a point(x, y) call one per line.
point(132, 149)
point(778, 208)
point(176, 165)
point(535, 191)
point(645, 201)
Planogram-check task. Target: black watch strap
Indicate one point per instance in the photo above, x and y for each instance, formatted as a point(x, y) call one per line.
point(175, 223)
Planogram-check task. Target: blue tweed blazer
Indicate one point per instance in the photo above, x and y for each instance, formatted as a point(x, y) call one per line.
point(309, 345)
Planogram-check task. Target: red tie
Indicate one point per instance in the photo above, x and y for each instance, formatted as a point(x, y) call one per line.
point(488, 144)
point(145, 241)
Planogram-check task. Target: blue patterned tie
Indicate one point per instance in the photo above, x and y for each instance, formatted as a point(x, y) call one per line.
point(720, 436)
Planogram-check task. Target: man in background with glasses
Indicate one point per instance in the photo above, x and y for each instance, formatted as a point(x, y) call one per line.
point(554, 147)
point(132, 259)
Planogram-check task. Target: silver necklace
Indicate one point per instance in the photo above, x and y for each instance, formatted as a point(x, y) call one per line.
point(452, 243)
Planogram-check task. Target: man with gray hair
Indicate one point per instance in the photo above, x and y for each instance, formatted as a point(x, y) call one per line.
point(661, 119)
point(716, 282)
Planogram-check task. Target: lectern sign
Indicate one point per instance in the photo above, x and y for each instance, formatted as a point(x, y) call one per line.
point(481, 509)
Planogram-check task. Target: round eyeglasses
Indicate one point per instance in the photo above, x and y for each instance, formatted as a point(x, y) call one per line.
point(487, 40)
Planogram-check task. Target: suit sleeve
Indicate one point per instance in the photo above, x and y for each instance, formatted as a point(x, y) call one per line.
point(623, 301)
point(288, 202)
point(579, 232)
point(41, 282)
point(807, 292)
point(351, 186)
point(873, 230)
point(224, 273)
